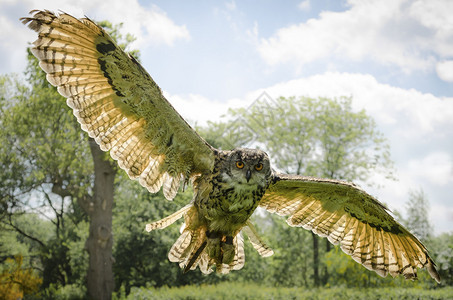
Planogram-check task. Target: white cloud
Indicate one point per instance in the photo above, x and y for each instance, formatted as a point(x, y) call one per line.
point(395, 194)
point(11, 36)
point(410, 112)
point(149, 25)
point(444, 70)
point(196, 108)
point(230, 5)
point(436, 168)
point(304, 5)
point(442, 218)
point(381, 31)
point(434, 14)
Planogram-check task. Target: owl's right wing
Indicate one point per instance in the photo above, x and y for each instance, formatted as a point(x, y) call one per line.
point(350, 217)
point(117, 102)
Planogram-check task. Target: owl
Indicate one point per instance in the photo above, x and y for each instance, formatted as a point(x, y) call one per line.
point(120, 106)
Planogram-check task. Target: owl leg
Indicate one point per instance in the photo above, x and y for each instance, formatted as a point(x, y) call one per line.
point(220, 247)
point(167, 221)
point(213, 245)
point(227, 249)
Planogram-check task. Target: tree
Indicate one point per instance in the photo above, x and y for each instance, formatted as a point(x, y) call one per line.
point(47, 165)
point(318, 137)
point(43, 170)
point(417, 209)
point(442, 247)
point(100, 240)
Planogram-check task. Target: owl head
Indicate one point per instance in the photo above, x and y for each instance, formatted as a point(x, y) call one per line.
point(248, 167)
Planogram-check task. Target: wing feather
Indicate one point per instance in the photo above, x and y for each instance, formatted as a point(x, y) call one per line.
point(152, 177)
point(117, 102)
point(348, 216)
point(262, 249)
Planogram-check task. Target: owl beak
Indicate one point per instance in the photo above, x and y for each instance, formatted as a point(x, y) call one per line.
point(248, 174)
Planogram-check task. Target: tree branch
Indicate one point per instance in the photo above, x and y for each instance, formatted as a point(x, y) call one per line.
point(20, 231)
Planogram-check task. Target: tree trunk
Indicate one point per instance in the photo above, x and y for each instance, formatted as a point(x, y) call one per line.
point(315, 259)
point(100, 240)
point(325, 276)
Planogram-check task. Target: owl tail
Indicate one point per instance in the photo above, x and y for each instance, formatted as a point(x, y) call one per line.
point(192, 248)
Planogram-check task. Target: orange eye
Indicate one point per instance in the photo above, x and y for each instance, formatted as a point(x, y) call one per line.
point(259, 167)
point(239, 164)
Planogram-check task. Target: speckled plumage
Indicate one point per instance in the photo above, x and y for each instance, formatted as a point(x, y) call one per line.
point(119, 105)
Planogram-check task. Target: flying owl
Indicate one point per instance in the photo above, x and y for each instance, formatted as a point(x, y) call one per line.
point(119, 105)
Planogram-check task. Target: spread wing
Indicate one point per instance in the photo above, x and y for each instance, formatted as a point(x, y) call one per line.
point(117, 102)
point(350, 217)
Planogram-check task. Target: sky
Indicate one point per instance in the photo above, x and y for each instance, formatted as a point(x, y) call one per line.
point(394, 58)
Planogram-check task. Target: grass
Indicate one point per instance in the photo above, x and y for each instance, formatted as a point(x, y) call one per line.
point(236, 291)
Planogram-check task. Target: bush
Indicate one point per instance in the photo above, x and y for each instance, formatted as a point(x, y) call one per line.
point(17, 281)
point(67, 292)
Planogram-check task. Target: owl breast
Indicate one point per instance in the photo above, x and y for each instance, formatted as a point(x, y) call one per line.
point(229, 205)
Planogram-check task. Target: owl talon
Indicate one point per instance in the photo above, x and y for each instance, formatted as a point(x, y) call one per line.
point(228, 251)
point(213, 247)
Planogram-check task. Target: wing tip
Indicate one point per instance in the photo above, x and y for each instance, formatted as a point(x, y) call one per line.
point(433, 271)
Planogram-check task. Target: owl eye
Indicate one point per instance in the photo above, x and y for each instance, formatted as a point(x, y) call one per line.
point(259, 167)
point(239, 164)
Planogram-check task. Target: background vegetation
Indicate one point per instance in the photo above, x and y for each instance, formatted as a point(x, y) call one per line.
point(48, 178)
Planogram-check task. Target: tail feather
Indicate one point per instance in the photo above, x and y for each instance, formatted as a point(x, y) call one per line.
point(179, 249)
point(195, 256)
point(239, 258)
point(190, 252)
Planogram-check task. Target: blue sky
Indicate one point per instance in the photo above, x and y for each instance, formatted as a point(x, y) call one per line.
point(395, 58)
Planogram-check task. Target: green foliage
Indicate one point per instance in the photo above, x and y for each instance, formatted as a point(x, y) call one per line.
point(65, 292)
point(442, 251)
point(292, 262)
point(45, 170)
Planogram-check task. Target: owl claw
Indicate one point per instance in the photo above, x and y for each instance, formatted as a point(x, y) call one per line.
point(194, 258)
point(213, 248)
point(228, 253)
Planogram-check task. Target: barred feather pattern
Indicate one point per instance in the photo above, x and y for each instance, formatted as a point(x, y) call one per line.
point(167, 221)
point(117, 102)
point(262, 249)
point(351, 218)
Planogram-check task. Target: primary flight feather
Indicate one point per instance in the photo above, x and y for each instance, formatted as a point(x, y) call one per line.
point(119, 105)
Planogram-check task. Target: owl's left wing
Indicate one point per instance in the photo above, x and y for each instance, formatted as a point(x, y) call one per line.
point(350, 217)
point(118, 103)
